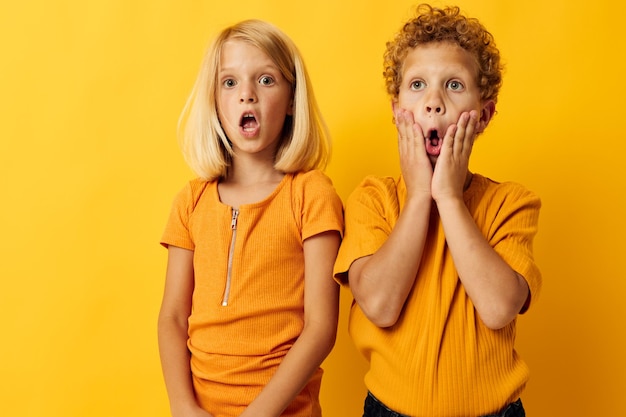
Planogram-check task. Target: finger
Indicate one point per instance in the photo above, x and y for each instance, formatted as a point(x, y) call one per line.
point(401, 130)
point(470, 132)
point(400, 119)
point(409, 133)
point(449, 139)
point(461, 133)
point(464, 135)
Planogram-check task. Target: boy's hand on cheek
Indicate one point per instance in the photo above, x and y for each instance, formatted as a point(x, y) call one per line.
point(452, 165)
point(414, 162)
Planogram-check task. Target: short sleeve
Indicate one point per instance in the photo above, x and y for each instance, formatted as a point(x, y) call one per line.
point(177, 230)
point(371, 213)
point(321, 206)
point(513, 230)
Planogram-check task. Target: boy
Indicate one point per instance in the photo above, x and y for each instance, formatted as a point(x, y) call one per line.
point(440, 261)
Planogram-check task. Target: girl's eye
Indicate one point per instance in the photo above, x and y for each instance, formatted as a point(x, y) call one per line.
point(266, 80)
point(455, 85)
point(229, 83)
point(417, 85)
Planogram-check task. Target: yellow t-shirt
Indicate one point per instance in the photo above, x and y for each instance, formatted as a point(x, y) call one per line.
point(439, 359)
point(248, 304)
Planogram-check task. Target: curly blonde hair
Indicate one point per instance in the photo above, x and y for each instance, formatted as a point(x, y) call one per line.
point(445, 25)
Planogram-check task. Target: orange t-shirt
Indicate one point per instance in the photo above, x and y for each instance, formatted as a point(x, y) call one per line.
point(439, 359)
point(248, 299)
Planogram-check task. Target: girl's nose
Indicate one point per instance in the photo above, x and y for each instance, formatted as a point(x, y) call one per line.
point(247, 95)
point(247, 99)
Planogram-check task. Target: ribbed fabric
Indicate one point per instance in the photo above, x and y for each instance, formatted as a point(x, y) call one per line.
point(236, 348)
point(439, 359)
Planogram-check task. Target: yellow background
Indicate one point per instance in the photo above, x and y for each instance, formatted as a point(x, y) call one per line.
point(90, 92)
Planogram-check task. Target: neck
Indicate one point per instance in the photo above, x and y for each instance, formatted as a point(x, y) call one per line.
point(252, 172)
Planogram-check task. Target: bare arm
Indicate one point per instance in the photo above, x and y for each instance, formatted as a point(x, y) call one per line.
point(381, 283)
point(497, 291)
point(321, 310)
point(172, 329)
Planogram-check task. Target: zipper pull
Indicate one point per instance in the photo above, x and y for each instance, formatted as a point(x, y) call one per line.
point(233, 222)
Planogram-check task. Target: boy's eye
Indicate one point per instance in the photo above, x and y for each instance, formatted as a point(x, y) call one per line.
point(229, 83)
point(417, 85)
point(455, 85)
point(266, 80)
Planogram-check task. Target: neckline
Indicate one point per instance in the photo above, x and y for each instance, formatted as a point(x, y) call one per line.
point(264, 201)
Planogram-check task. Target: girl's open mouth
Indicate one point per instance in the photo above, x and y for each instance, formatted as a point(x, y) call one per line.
point(248, 122)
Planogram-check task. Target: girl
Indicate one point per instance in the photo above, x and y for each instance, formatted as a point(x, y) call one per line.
point(250, 308)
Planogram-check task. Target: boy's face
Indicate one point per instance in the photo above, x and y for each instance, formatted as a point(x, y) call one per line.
point(439, 82)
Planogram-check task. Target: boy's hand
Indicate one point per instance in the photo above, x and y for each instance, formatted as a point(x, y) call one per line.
point(452, 164)
point(416, 167)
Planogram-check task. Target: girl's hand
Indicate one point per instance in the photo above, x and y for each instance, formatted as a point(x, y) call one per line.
point(416, 167)
point(452, 167)
point(193, 412)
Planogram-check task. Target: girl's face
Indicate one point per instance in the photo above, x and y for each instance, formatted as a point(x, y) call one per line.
point(253, 99)
point(439, 82)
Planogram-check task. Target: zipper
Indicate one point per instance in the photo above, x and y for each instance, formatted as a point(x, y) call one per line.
point(231, 251)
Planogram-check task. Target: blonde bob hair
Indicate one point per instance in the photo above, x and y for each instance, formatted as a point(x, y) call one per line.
point(305, 144)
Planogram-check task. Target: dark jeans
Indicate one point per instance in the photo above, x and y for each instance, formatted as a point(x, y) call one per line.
point(374, 408)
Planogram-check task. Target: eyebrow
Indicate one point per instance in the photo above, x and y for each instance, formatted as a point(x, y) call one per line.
point(260, 69)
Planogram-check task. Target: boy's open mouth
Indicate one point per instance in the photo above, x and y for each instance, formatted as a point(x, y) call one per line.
point(433, 143)
point(433, 138)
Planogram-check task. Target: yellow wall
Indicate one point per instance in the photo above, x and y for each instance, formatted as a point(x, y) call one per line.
point(90, 92)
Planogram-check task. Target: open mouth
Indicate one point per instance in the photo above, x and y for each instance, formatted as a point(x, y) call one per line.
point(433, 138)
point(248, 122)
point(433, 143)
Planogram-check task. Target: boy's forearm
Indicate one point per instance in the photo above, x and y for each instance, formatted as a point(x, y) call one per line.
point(381, 282)
point(496, 290)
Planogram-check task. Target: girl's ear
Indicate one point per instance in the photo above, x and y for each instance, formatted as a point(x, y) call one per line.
point(290, 108)
point(486, 113)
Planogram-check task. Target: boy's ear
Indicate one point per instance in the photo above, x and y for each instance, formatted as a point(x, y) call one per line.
point(394, 106)
point(487, 112)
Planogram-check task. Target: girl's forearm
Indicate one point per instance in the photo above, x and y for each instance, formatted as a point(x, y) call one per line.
point(175, 359)
point(303, 359)
point(321, 311)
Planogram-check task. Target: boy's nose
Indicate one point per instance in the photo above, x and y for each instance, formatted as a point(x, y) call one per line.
point(433, 104)
point(434, 109)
